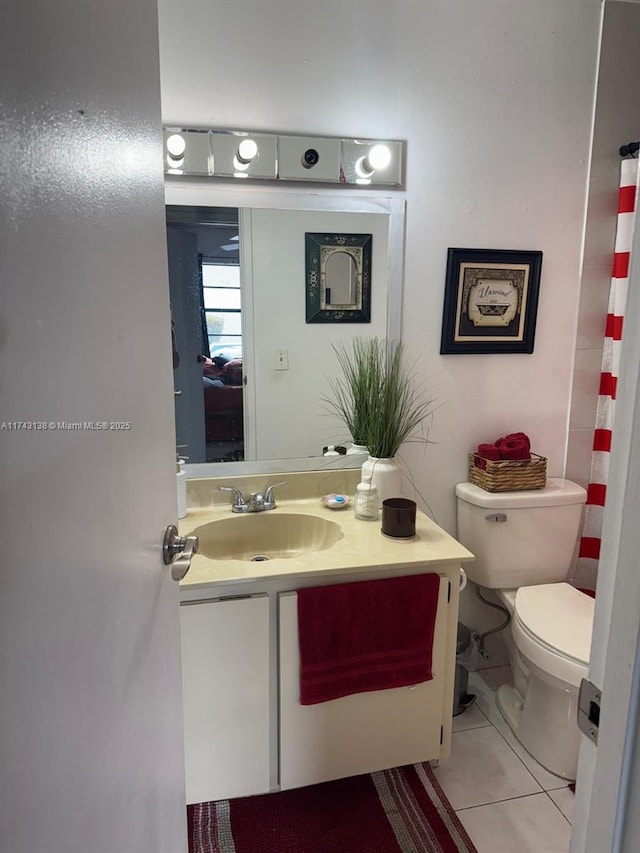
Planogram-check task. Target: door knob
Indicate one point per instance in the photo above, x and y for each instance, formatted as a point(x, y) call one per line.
point(177, 551)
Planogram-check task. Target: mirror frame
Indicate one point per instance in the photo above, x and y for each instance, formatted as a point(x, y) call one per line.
point(192, 192)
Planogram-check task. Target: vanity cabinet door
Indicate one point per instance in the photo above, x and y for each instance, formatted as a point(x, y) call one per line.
point(225, 673)
point(364, 732)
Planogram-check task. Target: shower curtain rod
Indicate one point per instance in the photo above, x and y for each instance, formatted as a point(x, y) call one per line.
point(630, 149)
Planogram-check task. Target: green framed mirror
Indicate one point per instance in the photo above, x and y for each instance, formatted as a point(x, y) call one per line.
point(338, 278)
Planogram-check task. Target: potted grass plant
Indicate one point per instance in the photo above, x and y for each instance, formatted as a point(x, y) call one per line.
point(380, 401)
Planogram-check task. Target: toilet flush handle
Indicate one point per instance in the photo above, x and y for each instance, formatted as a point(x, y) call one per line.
point(496, 516)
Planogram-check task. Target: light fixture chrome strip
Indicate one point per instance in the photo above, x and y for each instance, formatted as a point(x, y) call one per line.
point(282, 157)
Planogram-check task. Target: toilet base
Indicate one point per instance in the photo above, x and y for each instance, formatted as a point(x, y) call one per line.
point(544, 721)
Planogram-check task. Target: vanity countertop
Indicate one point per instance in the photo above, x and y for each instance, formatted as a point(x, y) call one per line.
point(362, 547)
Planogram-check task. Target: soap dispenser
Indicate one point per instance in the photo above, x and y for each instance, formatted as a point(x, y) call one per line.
point(330, 451)
point(366, 500)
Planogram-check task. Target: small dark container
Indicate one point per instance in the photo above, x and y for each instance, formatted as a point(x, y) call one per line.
point(399, 517)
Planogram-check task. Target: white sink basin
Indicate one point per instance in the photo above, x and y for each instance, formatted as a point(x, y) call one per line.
point(267, 535)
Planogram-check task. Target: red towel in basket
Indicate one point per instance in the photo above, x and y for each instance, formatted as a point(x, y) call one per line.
point(489, 451)
point(364, 636)
point(514, 448)
point(522, 436)
point(514, 436)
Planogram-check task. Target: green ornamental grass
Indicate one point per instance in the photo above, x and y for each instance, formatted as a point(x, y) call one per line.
point(378, 396)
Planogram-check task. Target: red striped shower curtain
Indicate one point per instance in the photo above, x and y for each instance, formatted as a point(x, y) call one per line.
point(596, 493)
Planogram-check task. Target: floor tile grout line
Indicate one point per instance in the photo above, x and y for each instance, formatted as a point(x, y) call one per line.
point(562, 783)
point(512, 750)
point(505, 800)
point(482, 711)
point(524, 765)
point(543, 790)
point(558, 807)
point(471, 728)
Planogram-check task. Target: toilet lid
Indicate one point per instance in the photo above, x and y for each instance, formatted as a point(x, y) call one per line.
point(558, 616)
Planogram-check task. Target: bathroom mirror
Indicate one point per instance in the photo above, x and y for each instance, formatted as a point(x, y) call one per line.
point(285, 361)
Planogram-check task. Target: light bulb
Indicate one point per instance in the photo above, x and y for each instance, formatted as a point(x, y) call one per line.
point(379, 157)
point(247, 150)
point(363, 169)
point(176, 146)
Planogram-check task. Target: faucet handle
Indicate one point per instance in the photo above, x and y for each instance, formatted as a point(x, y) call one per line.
point(239, 503)
point(268, 494)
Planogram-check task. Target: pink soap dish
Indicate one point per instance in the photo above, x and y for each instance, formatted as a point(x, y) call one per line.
point(335, 501)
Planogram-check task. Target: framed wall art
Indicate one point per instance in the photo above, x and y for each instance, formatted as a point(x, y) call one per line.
point(490, 301)
point(338, 278)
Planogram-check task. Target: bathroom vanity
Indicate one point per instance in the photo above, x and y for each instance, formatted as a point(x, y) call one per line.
point(245, 729)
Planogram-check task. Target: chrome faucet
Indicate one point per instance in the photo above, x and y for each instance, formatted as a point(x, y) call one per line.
point(257, 502)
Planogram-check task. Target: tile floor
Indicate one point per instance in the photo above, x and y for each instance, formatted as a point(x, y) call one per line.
point(507, 802)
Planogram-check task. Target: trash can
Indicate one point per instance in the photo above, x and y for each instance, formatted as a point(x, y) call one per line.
point(461, 698)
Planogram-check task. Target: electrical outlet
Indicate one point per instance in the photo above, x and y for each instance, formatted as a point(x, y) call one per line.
point(282, 359)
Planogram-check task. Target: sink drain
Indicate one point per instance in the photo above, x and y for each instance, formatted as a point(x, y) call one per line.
point(259, 558)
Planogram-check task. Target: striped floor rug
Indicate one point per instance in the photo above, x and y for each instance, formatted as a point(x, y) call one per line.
point(402, 810)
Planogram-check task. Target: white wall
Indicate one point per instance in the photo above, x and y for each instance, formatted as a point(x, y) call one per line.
point(495, 101)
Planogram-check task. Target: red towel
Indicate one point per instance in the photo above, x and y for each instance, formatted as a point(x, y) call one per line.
point(489, 451)
point(522, 436)
point(515, 436)
point(514, 448)
point(364, 636)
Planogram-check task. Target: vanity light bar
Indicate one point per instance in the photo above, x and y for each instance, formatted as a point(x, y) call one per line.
point(240, 154)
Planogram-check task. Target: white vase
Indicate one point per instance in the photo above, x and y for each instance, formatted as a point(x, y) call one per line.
point(357, 448)
point(385, 474)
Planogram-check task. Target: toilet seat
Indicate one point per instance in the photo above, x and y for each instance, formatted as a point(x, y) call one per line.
point(552, 625)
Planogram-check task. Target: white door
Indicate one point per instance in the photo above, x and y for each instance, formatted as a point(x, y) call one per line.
point(91, 739)
point(607, 789)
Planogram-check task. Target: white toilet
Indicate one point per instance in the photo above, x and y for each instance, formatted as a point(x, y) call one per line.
point(524, 543)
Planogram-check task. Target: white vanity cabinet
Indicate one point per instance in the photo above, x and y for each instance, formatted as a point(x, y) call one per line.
point(245, 729)
point(364, 732)
point(225, 672)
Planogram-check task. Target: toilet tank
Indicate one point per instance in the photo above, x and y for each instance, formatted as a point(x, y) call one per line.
point(520, 538)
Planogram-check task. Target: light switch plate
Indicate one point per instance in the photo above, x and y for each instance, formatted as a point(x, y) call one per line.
point(282, 359)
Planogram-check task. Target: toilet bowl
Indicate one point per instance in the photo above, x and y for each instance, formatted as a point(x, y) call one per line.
point(524, 543)
point(549, 644)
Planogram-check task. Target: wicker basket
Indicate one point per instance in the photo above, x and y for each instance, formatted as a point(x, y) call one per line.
point(508, 475)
